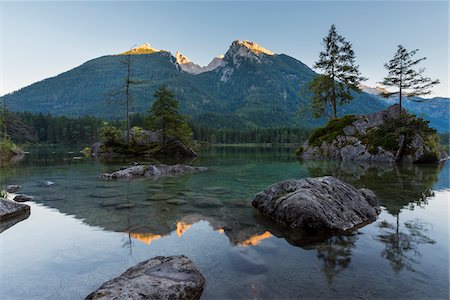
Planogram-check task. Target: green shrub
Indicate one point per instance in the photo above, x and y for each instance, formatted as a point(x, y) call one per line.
point(8, 149)
point(299, 151)
point(110, 135)
point(333, 129)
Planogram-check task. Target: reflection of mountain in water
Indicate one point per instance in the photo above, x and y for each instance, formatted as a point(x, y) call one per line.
point(396, 186)
point(149, 210)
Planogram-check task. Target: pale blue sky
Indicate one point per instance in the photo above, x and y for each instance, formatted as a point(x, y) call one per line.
point(43, 39)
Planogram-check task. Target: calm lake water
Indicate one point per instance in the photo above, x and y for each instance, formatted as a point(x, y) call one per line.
point(83, 231)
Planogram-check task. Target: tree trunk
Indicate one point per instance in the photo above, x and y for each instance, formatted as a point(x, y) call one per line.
point(333, 98)
point(127, 93)
point(400, 92)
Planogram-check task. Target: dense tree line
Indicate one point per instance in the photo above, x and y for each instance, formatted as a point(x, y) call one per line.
point(61, 130)
point(256, 135)
point(46, 128)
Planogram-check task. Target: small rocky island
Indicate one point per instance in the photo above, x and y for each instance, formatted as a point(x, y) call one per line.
point(143, 143)
point(151, 171)
point(384, 136)
point(323, 204)
point(173, 277)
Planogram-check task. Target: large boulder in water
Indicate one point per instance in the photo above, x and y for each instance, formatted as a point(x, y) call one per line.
point(152, 171)
point(384, 136)
point(318, 204)
point(174, 277)
point(11, 213)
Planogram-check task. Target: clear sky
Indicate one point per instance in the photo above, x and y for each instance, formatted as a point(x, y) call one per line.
point(42, 39)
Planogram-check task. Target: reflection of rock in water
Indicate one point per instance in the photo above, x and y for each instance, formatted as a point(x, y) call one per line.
point(401, 245)
point(385, 180)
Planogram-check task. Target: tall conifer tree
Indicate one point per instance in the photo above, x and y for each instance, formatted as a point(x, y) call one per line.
point(340, 75)
point(402, 75)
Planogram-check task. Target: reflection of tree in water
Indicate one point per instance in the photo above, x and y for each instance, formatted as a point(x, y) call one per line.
point(396, 186)
point(336, 254)
point(401, 247)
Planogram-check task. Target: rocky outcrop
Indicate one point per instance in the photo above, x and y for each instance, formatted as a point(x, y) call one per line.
point(152, 171)
point(142, 143)
point(384, 136)
point(318, 204)
point(174, 277)
point(11, 213)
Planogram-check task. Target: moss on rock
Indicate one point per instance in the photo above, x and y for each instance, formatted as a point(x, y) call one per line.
point(333, 129)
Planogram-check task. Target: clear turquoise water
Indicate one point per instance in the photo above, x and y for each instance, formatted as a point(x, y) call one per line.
point(83, 231)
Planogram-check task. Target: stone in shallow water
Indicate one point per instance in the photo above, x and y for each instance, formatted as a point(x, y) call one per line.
point(13, 188)
point(23, 198)
point(11, 213)
point(124, 206)
point(207, 202)
point(173, 277)
point(318, 204)
point(176, 201)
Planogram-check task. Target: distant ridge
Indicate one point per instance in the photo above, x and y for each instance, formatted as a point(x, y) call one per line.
point(250, 86)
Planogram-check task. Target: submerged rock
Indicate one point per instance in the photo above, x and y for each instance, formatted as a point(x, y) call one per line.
point(173, 277)
point(23, 198)
point(11, 213)
point(152, 171)
point(13, 188)
point(384, 136)
point(318, 204)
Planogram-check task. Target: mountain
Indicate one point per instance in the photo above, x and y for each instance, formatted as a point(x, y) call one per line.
point(436, 110)
point(250, 86)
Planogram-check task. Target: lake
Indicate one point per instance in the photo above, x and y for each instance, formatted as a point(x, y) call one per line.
point(83, 231)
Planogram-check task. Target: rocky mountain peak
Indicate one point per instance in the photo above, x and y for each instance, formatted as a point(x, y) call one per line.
point(246, 49)
point(142, 49)
point(181, 59)
point(190, 67)
point(252, 46)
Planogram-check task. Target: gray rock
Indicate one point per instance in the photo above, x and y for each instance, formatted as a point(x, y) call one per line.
point(349, 130)
point(13, 188)
point(151, 171)
point(174, 277)
point(318, 204)
point(23, 198)
point(11, 213)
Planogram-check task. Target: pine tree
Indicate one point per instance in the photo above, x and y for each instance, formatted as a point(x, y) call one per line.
point(164, 116)
point(401, 74)
point(340, 75)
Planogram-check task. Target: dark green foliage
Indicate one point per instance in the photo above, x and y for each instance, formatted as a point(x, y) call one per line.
point(387, 135)
point(8, 149)
point(110, 135)
point(299, 152)
point(164, 116)
point(402, 75)
point(63, 130)
point(333, 129)
point(341, 75)
point(256, 135)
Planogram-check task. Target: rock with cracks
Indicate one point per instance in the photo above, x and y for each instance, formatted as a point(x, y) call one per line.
point(324, 204)
point(173, 277)
point(151, 171)
point(11, 213)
